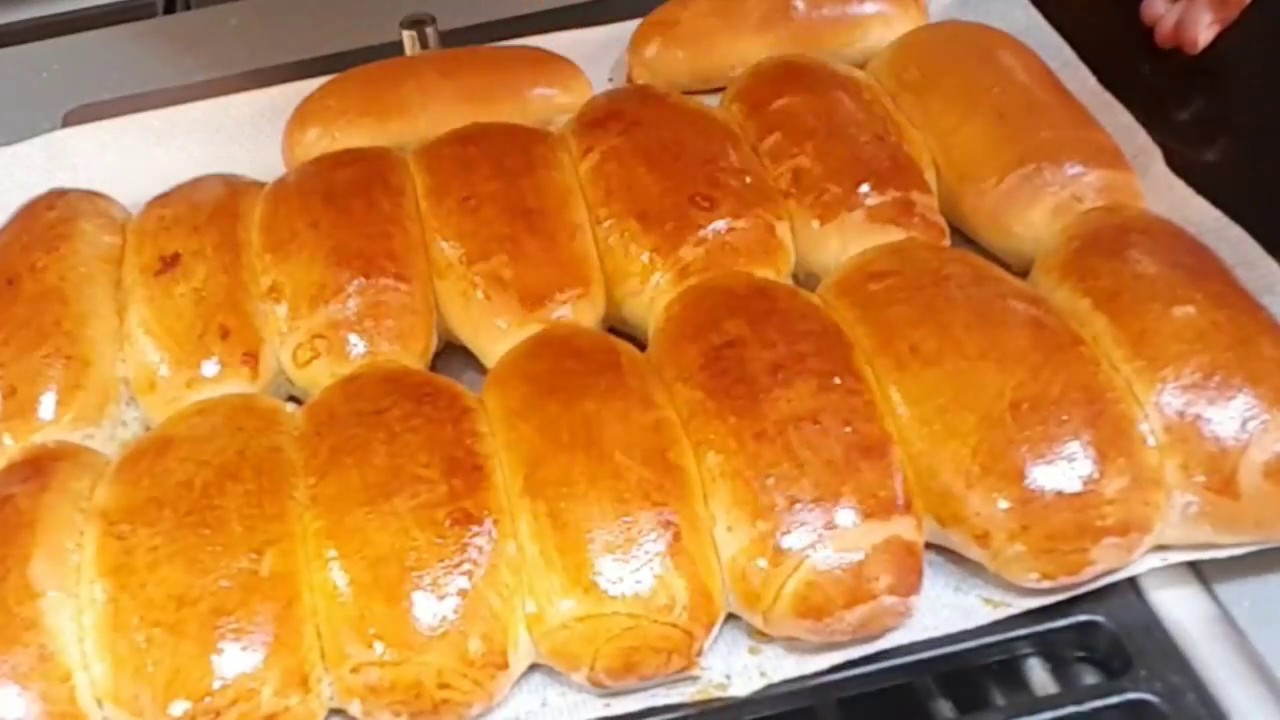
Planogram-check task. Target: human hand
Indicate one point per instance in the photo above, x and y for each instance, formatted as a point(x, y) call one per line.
point(1189, 24)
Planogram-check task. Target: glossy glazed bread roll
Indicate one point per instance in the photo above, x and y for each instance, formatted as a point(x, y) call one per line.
point(1199, 351)
point(854, 173)
point(1024, 449)
point(196, 603)
point(674, 193)
point(407, 100)
point(43, 497)
point(1017, 154)
point(342, 267)
point(696, 45)
point(816, 535)
point(60, 323)
point(622, 582)
point(412, 550)
point(191, 323)
point(508, 235)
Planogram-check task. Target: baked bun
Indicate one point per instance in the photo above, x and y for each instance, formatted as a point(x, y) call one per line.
point(406, 100)
point(815, 532)
point(43, 496)
point(412, 550)
point(697, 45)
point(1199, 351)
point(623, 586)
point(195, 592)
point(60, 322)
point(675, 193)
point(342, 267)
point(191, 325)
point(508, 235)
point(1017, 154)
point(1024, 449)
point(854, 173)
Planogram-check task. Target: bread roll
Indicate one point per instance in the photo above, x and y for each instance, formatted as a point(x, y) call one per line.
point(623, 586)
point(508, 235)
point(412, 550)
point(43, 496)
point(60, 323)
point(1025, 451)
point(675, 194)
point(195, 592)
point(815, 532)
point(407, 100)
point(697, 45)
point(342, 267)
point(191, 326)
point(1200, 353)
point(1017, 154)
point(854, 173)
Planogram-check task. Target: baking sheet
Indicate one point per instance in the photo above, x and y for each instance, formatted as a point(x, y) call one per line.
point(136, 157)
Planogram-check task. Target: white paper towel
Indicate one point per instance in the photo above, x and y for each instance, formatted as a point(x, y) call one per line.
point(136, 157)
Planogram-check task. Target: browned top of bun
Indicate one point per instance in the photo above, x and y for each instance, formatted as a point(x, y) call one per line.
point(342, 266)
point(405, 499)
point(1199, 350)
point(197, 595)
point(1020, 443)
point(59, 321)
point(406, 100)
point(509, 234)
point(191, 323)
point(831, 140)
point(1017, 153)
point(813, 523)
point(43, 496)
point(674, 193)
point(696, 45)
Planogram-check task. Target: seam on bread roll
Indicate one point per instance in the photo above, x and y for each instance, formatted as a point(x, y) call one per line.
point(403, 101)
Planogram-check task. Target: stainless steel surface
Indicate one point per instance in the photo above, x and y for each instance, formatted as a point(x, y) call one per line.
point(16, 10)
point(53, 76)
point(1248, 588)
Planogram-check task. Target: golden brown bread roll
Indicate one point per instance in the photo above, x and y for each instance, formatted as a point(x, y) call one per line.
point(342, 267)
point(1023, 448)
point(623, 586)
point(815, 532)
point(407, 100)
point(854, 173)
point(191, 324)
point(1017, 154)
point(195, 589)
point(43, 498)
point(508, 235)
point(674, 194)
point(696, 45)
point(1199, 351)
point(412, 550)
point(60, 322)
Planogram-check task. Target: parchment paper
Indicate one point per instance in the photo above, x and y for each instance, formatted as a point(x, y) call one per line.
point(136, 157)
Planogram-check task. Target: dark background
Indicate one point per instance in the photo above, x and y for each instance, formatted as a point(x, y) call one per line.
point(1215, 116)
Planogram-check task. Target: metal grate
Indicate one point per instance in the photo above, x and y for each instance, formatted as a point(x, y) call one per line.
point(1102, 656)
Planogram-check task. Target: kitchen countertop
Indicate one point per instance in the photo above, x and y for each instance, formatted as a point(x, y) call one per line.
point(1211, 116)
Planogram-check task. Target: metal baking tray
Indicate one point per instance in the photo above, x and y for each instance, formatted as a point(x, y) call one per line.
point(1102, 655)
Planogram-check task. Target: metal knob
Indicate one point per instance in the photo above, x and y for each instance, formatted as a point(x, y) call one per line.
point(419, 32)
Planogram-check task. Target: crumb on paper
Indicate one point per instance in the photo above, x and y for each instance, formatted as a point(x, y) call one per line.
point(710, 691)
point(754, 649)
point(996, 604)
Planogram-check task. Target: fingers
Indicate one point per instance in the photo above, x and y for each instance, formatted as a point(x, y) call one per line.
point(1152, 10)
point(1190, 25)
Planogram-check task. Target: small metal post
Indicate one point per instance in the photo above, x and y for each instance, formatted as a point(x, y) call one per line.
point(419, 32)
